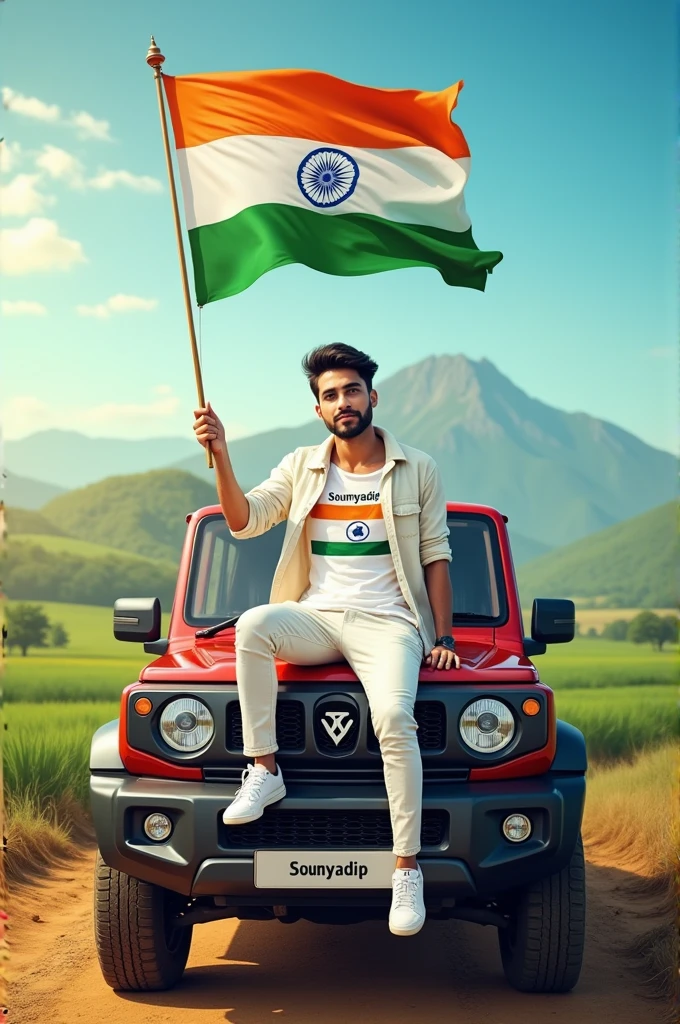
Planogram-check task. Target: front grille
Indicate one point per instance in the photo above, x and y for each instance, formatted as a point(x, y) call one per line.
point(290, 726)
point(334, 776)
point(431, 718)
point(327, 830)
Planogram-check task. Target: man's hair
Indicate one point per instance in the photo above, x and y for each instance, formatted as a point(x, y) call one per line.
point(337, 357)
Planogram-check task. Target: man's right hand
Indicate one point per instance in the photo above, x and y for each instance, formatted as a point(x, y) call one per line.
point(209, 429)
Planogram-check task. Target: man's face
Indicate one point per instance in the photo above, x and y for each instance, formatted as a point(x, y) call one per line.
point(345, 405)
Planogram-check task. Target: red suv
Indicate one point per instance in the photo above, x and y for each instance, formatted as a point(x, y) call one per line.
point(503, 791)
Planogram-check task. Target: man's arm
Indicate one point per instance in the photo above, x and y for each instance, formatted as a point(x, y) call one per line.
point(262, 508)
point(440, 593)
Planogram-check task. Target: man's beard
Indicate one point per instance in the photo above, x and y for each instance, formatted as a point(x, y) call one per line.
point(349, 428)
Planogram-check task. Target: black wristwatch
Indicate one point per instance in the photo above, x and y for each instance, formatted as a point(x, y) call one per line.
point(445, 641)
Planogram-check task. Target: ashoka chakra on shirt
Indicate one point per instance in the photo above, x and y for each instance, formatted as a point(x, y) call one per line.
point(327, 176)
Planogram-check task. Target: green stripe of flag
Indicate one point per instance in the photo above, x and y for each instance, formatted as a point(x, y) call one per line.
point(230, 255)
point(368, 547)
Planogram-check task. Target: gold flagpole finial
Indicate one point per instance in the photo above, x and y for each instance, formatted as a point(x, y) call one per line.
point(154, 57)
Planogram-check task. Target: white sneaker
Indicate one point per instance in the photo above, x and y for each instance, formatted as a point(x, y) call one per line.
point(407, 913)
point(258, 789)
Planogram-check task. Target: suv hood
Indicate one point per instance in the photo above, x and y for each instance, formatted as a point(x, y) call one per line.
point(214, 661)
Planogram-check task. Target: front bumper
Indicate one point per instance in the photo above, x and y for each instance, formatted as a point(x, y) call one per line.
point(473, 859)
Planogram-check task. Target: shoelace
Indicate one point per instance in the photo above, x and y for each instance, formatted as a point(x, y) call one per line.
point(251, 782)
point(405, 893)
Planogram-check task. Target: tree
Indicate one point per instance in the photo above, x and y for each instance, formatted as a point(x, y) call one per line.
point(650, 628)
point(58, 635)
point(27, 626)
point(669, 630)
point(616, 630)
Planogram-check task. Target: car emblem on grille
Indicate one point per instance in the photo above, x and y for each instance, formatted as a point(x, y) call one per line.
point(337, 720)
point(335, 728)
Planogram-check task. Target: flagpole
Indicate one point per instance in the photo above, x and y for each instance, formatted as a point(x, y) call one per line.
point(154, 59)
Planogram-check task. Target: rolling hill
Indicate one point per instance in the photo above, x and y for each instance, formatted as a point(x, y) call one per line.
point(35, 572)
point(22, 492)
point(143, 514)
point(26, 521)
point(68, 459)
point(631, 564)
point(558, 476)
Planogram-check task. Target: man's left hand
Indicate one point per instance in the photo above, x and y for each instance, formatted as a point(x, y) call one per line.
point(442, 657)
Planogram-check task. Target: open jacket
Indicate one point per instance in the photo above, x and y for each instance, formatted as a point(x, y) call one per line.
point(414, 509)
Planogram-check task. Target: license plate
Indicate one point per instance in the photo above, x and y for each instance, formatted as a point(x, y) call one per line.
point(327, 869)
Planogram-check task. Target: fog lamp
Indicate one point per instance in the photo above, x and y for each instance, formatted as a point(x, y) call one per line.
point(517, 828)
point(157, 826)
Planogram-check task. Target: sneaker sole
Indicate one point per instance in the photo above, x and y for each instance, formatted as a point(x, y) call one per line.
point(407, 931)
point(277, 795)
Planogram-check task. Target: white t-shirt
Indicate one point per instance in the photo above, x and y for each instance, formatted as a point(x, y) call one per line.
point(352, 565)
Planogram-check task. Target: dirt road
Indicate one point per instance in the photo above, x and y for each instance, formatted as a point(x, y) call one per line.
point(254, 972)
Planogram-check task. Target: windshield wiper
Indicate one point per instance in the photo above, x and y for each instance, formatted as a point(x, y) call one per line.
point(218, 627)
point(477, 616)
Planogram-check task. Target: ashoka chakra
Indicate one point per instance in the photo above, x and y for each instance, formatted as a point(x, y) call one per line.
point(327, 176)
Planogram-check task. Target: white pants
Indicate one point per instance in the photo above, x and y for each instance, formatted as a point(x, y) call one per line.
point(386, 654)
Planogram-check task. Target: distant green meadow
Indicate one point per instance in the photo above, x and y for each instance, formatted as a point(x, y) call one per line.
point(622, 697)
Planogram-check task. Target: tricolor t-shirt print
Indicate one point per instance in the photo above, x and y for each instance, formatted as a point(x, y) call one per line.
point(352, 564)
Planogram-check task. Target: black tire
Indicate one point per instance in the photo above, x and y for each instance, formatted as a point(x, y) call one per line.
point(137, 945)
point(542, 948)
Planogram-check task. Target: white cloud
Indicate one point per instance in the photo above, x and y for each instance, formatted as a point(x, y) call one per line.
point(59, 164)
point(662, 352)
point(139, 182)
point(20, 197)
point(64, 166)
point(37, 246)
point(117, 304)
point(22, 307)
point(26, 414)
point(162, 415)
point(86, 125)
point(29, 106)
point(10, 154)
point(89, 127)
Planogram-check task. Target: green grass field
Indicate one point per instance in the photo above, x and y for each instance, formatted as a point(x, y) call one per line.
point(597, 663)
point(94, 666)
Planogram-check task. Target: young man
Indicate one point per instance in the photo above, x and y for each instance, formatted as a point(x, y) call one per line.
point(363, 575)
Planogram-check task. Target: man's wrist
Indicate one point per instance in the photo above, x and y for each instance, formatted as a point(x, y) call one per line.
point(445, 640)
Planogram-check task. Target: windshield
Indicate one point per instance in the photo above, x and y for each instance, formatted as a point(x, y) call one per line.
point(229, 576)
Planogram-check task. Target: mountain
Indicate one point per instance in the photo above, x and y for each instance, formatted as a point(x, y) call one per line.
point(558, 476)
point(68, 459)
point(143, 514)
point(26, 493)
point(632, 564)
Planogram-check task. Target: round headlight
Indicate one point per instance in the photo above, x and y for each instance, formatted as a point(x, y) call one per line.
point(487, 725)
point(186, 724)
point(158, 826)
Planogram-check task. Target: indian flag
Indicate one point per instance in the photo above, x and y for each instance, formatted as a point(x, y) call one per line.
point(283, 167)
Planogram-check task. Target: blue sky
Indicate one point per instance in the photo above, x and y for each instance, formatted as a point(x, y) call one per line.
point(569, 113)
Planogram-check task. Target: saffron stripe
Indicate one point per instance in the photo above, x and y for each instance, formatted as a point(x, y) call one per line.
point(325, 547)
point(310, 105)
point(345, 512)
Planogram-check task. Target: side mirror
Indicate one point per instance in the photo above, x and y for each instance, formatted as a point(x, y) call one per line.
point(137, 619)
point(553, 621)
